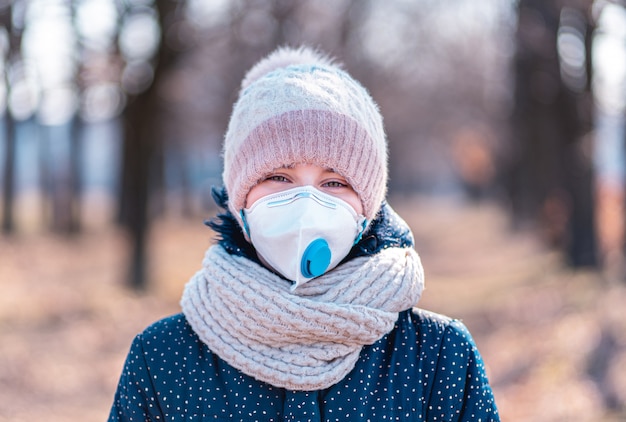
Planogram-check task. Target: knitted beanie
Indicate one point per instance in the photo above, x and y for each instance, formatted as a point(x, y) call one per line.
point(297, 107)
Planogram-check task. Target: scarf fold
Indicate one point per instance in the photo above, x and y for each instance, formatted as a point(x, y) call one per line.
point(304, 339)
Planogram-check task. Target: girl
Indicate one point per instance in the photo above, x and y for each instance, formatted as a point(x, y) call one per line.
point(305, 308)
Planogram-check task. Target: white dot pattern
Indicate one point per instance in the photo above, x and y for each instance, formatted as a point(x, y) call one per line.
point(426, 369)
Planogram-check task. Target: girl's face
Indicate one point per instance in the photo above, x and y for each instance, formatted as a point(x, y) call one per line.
point(320, 178)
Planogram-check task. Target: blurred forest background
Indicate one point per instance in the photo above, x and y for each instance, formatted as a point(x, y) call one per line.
point(505, 121)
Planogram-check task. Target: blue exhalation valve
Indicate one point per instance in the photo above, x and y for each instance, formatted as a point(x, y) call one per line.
point(316, 258)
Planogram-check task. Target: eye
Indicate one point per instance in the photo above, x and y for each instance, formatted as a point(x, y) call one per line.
point(276, 178)
point(335, 184)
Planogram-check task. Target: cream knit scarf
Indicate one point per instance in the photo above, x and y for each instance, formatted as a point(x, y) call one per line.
point(303, 339)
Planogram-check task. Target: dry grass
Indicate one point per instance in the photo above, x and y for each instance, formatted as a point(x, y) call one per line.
point(554, 340)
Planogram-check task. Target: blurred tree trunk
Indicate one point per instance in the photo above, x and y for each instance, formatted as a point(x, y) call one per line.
point(61, 181)
point(142, 145)
point(138, 151)
point(75, 177)
point(550, 177)
point(582, 249)
point(8, 176)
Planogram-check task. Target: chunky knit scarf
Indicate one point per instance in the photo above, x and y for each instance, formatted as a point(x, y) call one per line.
point(304, 339)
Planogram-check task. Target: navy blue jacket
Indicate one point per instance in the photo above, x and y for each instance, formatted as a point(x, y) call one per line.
point(426, 369)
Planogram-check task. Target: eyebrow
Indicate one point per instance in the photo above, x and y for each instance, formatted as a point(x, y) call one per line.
point(335, 172)
point(292, 166)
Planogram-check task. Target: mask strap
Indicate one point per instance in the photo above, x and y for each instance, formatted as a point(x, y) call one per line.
point(245, 223)
point(360, 235)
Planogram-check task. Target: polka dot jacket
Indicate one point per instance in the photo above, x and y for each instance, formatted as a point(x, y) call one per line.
point(426, 369)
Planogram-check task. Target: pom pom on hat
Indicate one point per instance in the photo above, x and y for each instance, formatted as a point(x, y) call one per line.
point(295, 107)
point(283, 57)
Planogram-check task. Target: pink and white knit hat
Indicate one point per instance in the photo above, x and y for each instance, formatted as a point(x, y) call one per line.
point(296, 107)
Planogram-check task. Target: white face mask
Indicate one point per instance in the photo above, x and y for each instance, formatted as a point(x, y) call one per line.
point(302, 232)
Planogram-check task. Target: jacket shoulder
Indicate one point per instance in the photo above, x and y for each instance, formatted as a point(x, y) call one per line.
point(168, 326)
point(457, 384)
point(172, 332)
point(437, 323)
point(438, 334)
